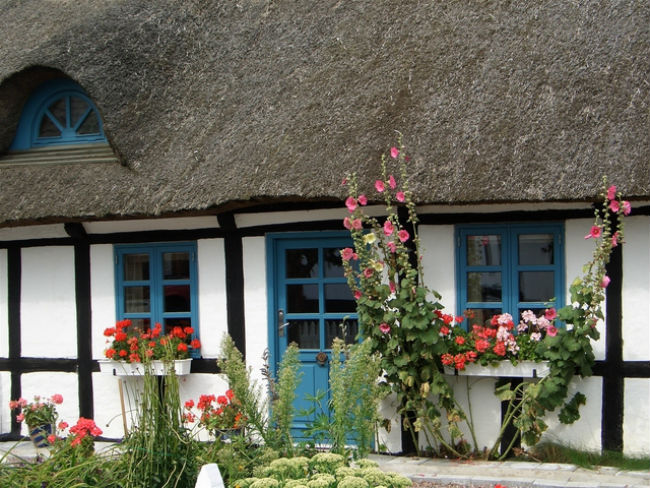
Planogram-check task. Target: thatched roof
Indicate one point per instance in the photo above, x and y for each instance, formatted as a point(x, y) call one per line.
point(209, 103)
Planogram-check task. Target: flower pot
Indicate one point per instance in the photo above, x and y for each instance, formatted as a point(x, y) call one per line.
point(157, 368)
point(523, 369)
point(39, 433)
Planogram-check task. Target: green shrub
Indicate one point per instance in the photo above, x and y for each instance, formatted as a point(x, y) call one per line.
point(265, 483)
point(326, 462)
point(353, 482)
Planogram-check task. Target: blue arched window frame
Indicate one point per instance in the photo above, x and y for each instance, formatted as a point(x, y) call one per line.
point(27, 134)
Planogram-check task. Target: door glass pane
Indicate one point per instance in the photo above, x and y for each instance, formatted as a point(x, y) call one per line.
point(136, 267)
point(177, 321)
point(338, 298)
point(302, 298)
point(535, 249)
point(302, 263)
point(481, 316)
point(332, 265)
point(176, 265)
point(536, 286)
point(484, 250)
point(484, 287)
point(177, 298)
point(305, 333)
point(336, 328)
point(136, 299)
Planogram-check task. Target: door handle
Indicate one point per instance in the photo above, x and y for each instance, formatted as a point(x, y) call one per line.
point(281, 323)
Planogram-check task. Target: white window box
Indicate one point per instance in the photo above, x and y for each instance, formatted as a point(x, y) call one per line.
point(524, 369)
point(158, 368)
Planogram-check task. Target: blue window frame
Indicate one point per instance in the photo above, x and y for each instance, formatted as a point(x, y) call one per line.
point(157, 283)
point(58, 113)
point(509, 268)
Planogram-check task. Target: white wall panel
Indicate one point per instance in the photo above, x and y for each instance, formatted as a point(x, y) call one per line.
point(48, 310)
point(4, 305)
point(33, 232)
point(636, 417)
point(636, 289)
point(47, 384)
point(578, 251)
point(102, 295)
point(255, 298)
point(5, 397)
point(213, 317)
point(438, 262)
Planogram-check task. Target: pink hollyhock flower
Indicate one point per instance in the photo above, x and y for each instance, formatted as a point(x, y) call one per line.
point(550, 313)
point(347, 254)
point(391, 182)
point(595, 232)
point(614, 206)
point(356, 224)
point(551, 331)
point(611, 192)
point(403, 235)
point(368, 272)
point(388, 228)
point(351, 203)
point(392, 287)
point(627, 208)
point(400, 196)
point(357, 295)
point(379, 186)
point(347, 223)
point(344, 182)
point(384, 328)
point(615, 239)
point(394, 152)
point(392, 247)
point(605, 282)
point(363, 200)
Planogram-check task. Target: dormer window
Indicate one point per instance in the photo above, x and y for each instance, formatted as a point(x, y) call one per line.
point(58, 113)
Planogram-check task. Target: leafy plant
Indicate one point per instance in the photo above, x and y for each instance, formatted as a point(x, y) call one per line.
point(42, 411)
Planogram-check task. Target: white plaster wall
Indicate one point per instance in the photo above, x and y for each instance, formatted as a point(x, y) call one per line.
point(213, 323)
point(207, 222)
point(33, 232)
point(256, 305)
point(636, 290)
point(102, 295)
point(4, 306)
point(636, 417)
point(48, 310)
point(5, 397)
point(578, 251)
point(438, 262)
point(390, 442)
point(47, 384)
point(585, 433)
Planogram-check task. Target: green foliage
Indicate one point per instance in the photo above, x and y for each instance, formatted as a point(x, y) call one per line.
point(282, 409)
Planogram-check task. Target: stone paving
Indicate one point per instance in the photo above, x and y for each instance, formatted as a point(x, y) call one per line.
point(512, 473)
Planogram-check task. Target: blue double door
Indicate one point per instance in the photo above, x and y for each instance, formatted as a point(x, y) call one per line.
point(312, 304)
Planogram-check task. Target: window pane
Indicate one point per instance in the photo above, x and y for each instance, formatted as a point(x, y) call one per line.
point(141, 324)
point(176, 265)
point(481, 316)
point(177, 298)
point(335, 328)
point(177, 321)
point(90, 125)
point(536, 286)
point(302, 298)
point(484, 250)
point(338, 298)
point(78, 107)
point(484, 287)
point(302, 263)
point(332, 264)
point(48, 129)
point(136, 267)
point(136, 299)
point(57, 109)
point(305, 333)
point(536, 249)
